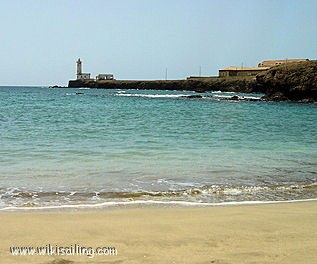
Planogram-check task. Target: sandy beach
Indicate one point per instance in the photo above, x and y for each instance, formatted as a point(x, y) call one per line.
point(272, 233)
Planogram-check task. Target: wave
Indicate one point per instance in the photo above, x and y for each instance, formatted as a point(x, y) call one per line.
point(193, 191)
point(150, 202)
point(211, 194)
point(238, 97)
point(214, 95)
point(223, 92)
point(153, 95)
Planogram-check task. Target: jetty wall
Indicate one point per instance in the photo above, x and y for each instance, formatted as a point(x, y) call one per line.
point(237, 84)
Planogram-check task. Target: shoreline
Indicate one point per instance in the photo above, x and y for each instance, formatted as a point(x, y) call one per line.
point(147, 204)
point(266, 233)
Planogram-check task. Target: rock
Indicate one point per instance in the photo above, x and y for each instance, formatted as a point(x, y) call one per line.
point(277, 96)
point(57, 86)
point(235, 98)
point(193, 96)
point(291, 81)
point(307, 100)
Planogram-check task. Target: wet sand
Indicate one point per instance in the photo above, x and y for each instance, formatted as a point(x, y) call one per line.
point(271, 233)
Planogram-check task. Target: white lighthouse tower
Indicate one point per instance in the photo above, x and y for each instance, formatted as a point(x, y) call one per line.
point(79, 70)
point(79, 73)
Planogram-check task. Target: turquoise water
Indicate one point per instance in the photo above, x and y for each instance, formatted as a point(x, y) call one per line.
point(89, 146)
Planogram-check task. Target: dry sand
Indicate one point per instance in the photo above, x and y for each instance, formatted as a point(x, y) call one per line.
point(276, 233)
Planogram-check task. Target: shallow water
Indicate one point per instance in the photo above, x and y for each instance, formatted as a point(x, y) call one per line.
point(79, 146)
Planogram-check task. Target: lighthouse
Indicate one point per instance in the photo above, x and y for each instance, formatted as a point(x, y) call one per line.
point(79, 70)
point(79, 73)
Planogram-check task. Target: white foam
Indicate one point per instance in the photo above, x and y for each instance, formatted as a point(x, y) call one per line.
point(148, 202)
point(251, 97)
point(154, 95)
point(239, 97)
point(233, 191)
point(222, 92)
point(223, 96)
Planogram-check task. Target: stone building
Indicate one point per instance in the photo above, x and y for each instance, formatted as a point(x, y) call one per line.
point(252, 71)
point(272, 63)
point(241, 71)
point(102, 76)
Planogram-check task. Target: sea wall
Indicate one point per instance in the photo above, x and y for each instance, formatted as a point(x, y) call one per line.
point(237, 84)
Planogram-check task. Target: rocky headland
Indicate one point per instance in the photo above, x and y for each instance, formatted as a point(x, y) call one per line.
point(290, 81)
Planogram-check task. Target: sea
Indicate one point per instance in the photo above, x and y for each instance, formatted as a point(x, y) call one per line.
point(95, 148)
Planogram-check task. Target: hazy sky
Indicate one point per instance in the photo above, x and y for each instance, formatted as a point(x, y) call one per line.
point(138, 39)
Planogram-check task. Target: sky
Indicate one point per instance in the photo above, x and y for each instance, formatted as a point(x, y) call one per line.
point(40, 40)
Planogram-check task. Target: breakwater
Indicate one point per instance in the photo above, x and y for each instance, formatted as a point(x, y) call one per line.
point(233, 84)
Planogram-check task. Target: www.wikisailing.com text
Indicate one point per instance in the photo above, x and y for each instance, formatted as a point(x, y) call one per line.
point(72, 250)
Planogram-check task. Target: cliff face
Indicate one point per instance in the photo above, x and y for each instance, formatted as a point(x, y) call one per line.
point(290, 81)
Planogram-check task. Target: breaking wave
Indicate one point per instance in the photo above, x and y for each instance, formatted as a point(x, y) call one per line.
point(206, 195)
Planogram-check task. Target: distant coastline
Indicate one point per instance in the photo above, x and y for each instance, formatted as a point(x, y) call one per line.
point(292, 82)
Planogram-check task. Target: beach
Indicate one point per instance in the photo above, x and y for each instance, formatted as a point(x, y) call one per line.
point(267, 233)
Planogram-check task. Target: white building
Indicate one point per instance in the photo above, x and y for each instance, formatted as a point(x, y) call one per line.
point(104, 77)
point(80, 74)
